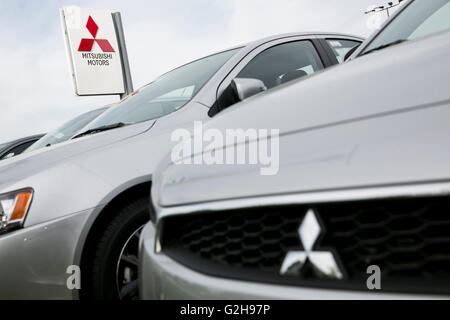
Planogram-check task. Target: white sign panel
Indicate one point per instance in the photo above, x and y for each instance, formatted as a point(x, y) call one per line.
point(93, 51)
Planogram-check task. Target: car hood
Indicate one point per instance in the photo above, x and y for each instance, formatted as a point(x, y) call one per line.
point(27, 164)
point(381, 119)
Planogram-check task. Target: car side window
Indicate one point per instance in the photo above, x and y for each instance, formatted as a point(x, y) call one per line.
point(341, 47)
point(283, 63)
point(17, 150)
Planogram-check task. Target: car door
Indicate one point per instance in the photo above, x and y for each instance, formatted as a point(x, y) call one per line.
point(278, 59)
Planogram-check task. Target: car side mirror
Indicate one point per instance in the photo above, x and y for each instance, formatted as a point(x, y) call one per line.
point(238, 90)
point(247, 87)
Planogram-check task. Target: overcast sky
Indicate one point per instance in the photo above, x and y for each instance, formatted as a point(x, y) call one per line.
point(36, 89)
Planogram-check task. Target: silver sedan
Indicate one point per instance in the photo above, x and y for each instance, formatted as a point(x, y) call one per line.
point(71, 213)
point(358, 206)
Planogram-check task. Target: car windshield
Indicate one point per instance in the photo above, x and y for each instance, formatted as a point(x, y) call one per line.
point(67, 130)
point(166, 94)
point(420, 19)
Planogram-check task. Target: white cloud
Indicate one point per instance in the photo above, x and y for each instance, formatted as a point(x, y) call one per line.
point(36, 90)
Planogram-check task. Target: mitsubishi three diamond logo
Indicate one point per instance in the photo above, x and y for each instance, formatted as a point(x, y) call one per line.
point(87, 44)
point(323, 262)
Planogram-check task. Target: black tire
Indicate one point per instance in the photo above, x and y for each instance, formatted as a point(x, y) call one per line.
point(118, 233)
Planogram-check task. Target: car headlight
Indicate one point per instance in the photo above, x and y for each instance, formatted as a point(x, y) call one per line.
point(14, 208)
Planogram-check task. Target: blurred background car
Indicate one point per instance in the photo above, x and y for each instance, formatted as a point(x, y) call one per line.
point(13, 148)
point(363, 185)
point(91, 193)
point(67, 130)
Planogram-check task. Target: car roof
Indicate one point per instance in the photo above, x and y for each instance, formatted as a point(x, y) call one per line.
point(305, 34)
point(261, 41)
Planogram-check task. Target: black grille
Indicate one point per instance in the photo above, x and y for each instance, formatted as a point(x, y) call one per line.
point(409, 239)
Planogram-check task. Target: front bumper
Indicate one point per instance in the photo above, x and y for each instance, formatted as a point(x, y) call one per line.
point(34, 260)
point(163, 278)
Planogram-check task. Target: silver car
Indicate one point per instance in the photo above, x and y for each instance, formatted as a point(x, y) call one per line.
point(71, 214)
point(359, 207)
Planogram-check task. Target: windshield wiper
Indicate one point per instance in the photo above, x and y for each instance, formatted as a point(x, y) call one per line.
point(100, 129)
point(384, 46)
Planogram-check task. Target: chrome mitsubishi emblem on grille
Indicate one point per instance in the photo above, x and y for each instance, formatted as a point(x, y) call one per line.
point(323, 262)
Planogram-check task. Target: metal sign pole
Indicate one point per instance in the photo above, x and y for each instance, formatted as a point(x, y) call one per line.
point(117, 19)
